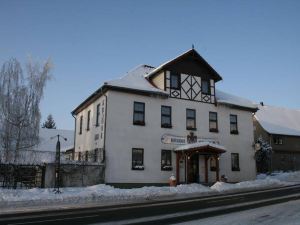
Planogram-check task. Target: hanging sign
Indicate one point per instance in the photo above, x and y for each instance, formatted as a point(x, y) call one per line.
point(181, 140)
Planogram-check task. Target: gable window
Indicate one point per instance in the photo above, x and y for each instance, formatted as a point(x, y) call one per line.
point(88, 120)
point(235, 163)
point(137, 159)
point(277, 140)
point(205, 87)
point(190, 119)
point(166, 160)
point(233, 124)
point(175, 81)
point(139, 113)
point(80, 124)
point(166, 116)
point(213, 122)
point(98, 115)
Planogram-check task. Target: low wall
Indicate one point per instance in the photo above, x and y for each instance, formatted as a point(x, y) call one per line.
point(74, 175)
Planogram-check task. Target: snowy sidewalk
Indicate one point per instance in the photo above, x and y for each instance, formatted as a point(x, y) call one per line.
point(39, 199)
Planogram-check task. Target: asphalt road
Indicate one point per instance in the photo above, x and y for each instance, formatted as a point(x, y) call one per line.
point(158, 212)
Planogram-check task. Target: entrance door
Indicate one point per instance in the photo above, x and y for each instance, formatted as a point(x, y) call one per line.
point(193, 169)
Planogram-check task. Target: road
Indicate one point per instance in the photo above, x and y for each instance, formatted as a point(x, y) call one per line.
point(158, 212)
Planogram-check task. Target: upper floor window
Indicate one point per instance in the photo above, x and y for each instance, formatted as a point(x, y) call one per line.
point(277, 140)
point(137, 159)
point(233, 124)
point(80, 124)
point(175, 81)
point(88, 120)
point(213, 122)
point(235, 162)
point(139, 113)
point(205, 87)
point(97, 115)
point(166, 160)
point(190, 119)
point(166, 116)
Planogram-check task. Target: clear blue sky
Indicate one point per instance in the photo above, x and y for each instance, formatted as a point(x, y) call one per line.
point(254, 45)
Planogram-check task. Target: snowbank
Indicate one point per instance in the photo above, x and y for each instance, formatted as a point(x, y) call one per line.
point(105, 193)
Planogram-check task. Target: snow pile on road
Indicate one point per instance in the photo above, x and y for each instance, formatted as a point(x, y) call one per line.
point(293, 177)
point(248, 185)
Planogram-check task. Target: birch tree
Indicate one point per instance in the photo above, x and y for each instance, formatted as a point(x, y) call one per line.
point(20, 96)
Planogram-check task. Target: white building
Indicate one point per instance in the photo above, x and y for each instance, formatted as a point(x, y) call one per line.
point(155, 122)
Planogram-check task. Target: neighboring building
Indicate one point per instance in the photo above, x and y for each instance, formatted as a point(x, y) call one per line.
point(155, 122)
point(281, 128)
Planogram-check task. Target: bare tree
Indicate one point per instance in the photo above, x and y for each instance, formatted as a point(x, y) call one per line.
point(20, 97)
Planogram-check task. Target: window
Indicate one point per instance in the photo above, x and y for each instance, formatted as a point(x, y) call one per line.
point(213, 122)
point(205, 87)
point(137, 159)
point(139, 113)
point(235, 164)
point(166, 119)
point(166, 160)
point(175, 81)
point(80, 124)
point(277, 140)
point(98, 115)
point(233, 124)
point(88, 120)
point(86, 156)
point(190, 119)
point(213, 166)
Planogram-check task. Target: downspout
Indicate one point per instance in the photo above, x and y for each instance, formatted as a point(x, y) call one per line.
point(73, 156)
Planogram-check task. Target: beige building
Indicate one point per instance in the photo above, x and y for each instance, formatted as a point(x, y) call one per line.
point(155, 122)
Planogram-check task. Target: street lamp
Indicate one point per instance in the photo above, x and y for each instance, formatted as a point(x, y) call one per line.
point(57, 164)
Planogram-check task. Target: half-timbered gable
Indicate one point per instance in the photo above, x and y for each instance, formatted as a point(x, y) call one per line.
point(187, 77)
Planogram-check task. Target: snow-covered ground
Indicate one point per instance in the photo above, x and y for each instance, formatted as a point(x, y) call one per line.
point(287, 213)
point(105, 193)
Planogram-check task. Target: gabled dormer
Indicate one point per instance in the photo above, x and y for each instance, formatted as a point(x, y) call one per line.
point(188, 77)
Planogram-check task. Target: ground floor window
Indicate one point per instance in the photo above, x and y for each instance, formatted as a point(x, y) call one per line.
point(235, 164)
point(137, 159)
point(166, 160)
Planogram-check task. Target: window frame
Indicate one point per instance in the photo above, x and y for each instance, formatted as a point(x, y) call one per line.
point(140, 123)
point(208, 86)
point(137, 167)
point(236, 131)
point(216, 130)
point(233, 168)
point(97, 114)
point(166, 115)
point(172, 74)
point(191, 118)
point(166, 166)
point(80, 124)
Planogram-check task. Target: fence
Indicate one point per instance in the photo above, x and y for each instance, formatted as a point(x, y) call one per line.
point(21, 176)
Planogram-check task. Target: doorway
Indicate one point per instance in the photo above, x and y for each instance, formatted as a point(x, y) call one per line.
point(193, 169)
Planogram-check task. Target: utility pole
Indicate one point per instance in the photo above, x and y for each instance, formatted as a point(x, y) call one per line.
point(57, 164)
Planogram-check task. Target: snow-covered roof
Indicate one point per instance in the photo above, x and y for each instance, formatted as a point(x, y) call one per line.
point(199, 145)
point(278, 120)
point(48, 144)
point(225, 98)
point(135, 79)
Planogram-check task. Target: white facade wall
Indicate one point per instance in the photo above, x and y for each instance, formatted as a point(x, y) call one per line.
point(87, 140)
point(122, 136)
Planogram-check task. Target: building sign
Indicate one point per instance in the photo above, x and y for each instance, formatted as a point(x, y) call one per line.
point(181, 140)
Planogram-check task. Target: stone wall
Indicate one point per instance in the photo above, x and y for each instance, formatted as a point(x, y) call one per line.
point(75, 175)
